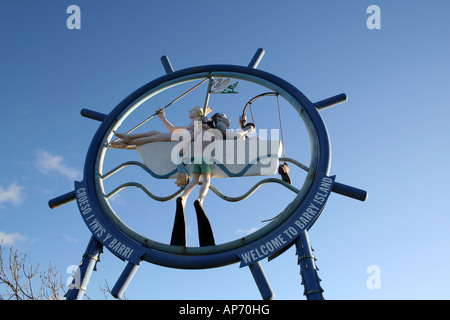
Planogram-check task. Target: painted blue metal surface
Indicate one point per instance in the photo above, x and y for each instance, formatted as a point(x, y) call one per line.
point(94, 115)
point(308, 269)
point(332, 101)
point(85, 269)
point(351, 192)
point(301, 220)
point(112, 236)
point(256, 58)
point(61, 200)
point(124, 280)
point(102, 228)
point(166, 64)
point(261, 281)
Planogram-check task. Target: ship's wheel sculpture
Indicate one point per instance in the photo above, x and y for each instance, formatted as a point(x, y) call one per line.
point(208, 151)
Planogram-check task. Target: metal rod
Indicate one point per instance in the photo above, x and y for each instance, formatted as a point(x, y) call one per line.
point(249, 104)
point(261, 281)
point(256, 58)
point(140, 124)
point(124, 280)
point(281, 126)
point(166, 64)
point(349, 191)
point(208, 93)
point(150, 194)
point(253, 189)
point(94, 115)
point(61, 200)
point(332, 101)
point(297, 163)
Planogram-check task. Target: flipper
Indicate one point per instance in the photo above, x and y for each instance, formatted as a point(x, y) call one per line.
point(179, 226)
point(205, 233)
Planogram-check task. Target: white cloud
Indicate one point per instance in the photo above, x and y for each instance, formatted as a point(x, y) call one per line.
point(69, 239)
point(10, 239)
point(246, 232)
point(48, 163)
point(12, 194)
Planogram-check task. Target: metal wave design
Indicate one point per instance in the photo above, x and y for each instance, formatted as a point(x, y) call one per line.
point(213, 189)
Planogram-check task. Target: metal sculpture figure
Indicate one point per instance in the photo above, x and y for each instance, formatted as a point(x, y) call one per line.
point(219, 127)
point(202, 169)
point(137, 139)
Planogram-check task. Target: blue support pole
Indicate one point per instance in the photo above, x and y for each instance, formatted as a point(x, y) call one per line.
point(85, 269)
point(308, 269)
point(261, 281)
point(124, 280)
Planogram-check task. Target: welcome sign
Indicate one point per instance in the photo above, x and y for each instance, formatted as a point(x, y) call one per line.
point(301, 219)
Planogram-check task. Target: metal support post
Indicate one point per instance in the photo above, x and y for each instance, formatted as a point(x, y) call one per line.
point(308, 269)
point(261, 281)
point(124, 280)
point(83, 274)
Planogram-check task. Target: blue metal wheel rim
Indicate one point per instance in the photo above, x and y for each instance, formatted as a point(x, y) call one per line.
point(177, 258)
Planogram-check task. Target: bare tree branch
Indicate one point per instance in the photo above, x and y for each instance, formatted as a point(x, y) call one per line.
point(17, 275)
point(16, 278)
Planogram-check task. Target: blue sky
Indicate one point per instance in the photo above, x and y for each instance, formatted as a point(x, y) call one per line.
point(390, 138)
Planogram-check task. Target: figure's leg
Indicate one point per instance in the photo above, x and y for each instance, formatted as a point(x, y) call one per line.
point(179, 226)
point(205, 233)
point(190, 186)
point(204, 187)
point(128, 137)
point(119, 144)
point(166, 136)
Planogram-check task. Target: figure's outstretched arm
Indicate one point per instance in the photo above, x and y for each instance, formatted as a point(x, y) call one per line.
point(242, 121)
point(245, 128)
point(162, 115)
